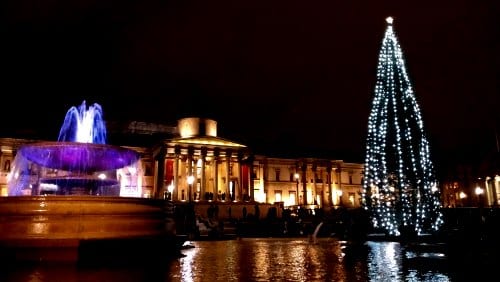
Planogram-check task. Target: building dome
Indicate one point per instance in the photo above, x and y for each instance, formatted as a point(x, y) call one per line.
point(193, 126)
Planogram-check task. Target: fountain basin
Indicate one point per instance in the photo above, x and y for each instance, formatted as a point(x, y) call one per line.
point(75, 156)
point(64, 228)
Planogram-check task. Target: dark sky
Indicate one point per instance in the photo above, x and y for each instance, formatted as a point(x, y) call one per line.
point(279, 76)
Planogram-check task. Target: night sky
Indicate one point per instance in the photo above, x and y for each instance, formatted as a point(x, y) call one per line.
point(283, 77)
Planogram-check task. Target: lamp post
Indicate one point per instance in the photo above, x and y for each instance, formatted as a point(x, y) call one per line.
point(170, 189)
point(479, 192)
point(296, 176)
point(462, 196)
point(190, 181)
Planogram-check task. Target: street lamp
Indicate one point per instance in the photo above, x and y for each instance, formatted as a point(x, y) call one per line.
point(170, 189)
point(462, 196)
point(479, 192)
point(190, 180)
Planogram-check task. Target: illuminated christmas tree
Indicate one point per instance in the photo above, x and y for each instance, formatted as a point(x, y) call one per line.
point(400, 188)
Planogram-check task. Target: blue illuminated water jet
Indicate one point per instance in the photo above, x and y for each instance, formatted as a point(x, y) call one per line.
point(83, 124)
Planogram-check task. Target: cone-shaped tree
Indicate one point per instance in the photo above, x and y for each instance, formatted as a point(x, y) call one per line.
point(399, 189)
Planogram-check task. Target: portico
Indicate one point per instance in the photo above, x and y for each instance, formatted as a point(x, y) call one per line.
point(219, 169)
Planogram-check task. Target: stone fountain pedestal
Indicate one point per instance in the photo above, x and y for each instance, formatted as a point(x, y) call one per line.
point(76, 228)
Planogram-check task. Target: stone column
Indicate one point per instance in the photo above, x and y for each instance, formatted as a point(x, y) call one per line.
point(160, 173)
point(216, 173)
point(495, 187)
point(265, 177)
point(228, 173)
point(491, 193)
point(304, 182)
point(339, 178)
point(203, 156)
point(240, 193)
point(250, 177)
point(177, 156)
point(329, 183)
point(314, 188)
point(189, 161)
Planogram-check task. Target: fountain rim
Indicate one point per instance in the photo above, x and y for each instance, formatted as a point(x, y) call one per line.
point(66, 143)
point(78, 198)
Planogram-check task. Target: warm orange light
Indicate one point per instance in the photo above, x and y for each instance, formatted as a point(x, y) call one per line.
point(479, 190)
point(190, 179)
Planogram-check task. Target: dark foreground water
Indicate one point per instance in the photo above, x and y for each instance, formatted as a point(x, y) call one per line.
point(272, 260)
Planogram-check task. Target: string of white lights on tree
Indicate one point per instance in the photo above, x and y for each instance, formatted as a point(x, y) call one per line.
point(399, 187)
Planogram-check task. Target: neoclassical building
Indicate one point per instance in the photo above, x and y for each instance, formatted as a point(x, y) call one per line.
point(190, 162)
point(197, 165)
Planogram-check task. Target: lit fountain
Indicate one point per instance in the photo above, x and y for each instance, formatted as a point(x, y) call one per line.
point(64, 199)
point(78, 163)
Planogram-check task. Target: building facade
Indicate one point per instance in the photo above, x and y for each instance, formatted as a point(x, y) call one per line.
point(476, 184)
point(190, 163)
point(309, 182)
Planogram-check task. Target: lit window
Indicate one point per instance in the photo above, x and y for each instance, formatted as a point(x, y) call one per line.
point(352, 197)
point(277, 196)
